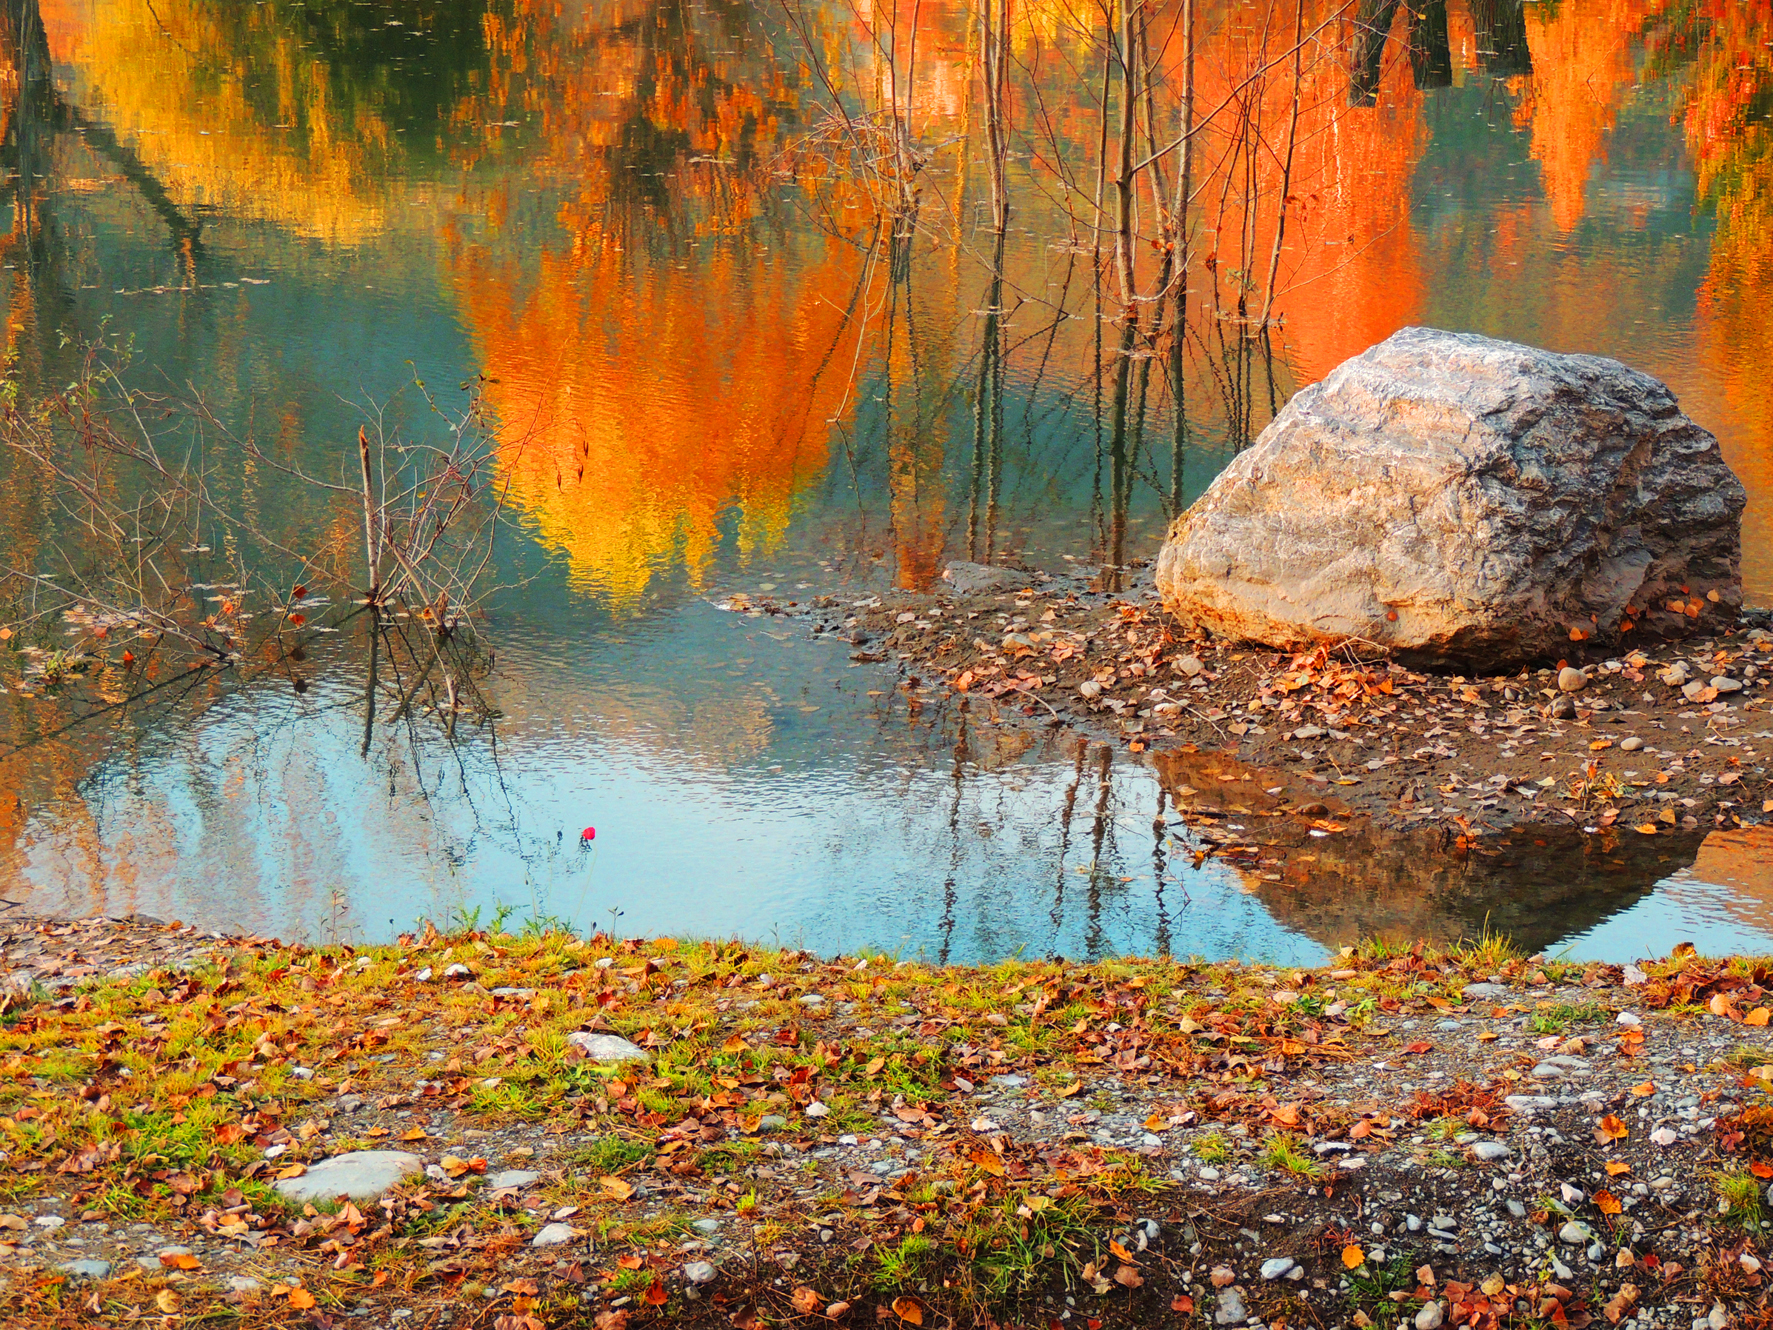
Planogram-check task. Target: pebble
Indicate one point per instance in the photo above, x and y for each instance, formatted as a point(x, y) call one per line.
point(1563, 707)
point(706, 1225)
point(1278, 1267)
point(87, 1269)
point(1089, 690)
point(1309, 732)
point(1486, 992)
point(49, 1221)
point(1630, 744)
point(1490, 1151)
point(771, 1122)
point(1724, 684)
point(698, 1272)
point(1575, 1234)
point(243, 1285)
point(1191, 665)
point(1570, 680)
point(362, 1175)
point(1429, 1318)
point(1527, 1103)
point(514, 1177)
point(553, 1235)
point(605, 1047)
point(1231, 1308)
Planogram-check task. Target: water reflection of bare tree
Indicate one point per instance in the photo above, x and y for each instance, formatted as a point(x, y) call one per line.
point(1425, 37)
point(150, 570)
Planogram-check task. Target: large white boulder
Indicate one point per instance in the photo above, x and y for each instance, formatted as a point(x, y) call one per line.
point(1452, 497)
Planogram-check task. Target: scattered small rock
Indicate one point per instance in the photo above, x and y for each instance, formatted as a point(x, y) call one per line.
point(605, 1047)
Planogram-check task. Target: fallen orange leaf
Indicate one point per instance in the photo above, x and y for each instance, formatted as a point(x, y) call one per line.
point(908, 1310)
point(1607, 1203)
point(1616, 1167)
point(989, 1162)
point(1353, 1257)
point(301, 1299)
point(1613, 1129)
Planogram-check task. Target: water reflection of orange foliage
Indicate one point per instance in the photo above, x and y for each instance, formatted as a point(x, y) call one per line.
point(1583, 65)
point(175, 83)
point(1350, 273)
point(1731, 140)
point(1742, 860)
point(647, 402)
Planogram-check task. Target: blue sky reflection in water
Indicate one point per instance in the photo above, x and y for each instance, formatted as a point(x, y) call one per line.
point(719, 375)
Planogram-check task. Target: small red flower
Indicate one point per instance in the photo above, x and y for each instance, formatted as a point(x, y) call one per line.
point(589, 833)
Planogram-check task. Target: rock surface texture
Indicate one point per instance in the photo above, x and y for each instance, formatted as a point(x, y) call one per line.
point(362, 1175)
point(1452, 497)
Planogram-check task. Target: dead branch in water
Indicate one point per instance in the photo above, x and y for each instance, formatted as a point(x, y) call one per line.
point(151, 566)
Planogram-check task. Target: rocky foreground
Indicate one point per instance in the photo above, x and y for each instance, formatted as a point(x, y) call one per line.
point(538, 1131)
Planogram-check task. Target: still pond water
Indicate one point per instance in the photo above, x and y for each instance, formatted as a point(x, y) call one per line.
point(728, 372)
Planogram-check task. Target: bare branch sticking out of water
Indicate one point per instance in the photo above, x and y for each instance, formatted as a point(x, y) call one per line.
point(156, 553)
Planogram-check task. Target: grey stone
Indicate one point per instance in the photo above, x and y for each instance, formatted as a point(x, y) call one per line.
point(86, 1269)
point(698, 1272)
point(1191, 665)
point(1571, 680)
point(1490, 1152)
point(1630, 744)
point(361, 1175)
point(1454, 497)
point(1485, 992)
point(1575, 1234)
point(1231, 1307)
point(1693, 689)
point(1309, 732)
point(1278, 1267)
point(967, 578)
point(553, 1235)
point(243, 1285)
point(1563, 707)
point(606, 1047)
point(706, 1225)
point(1725, 684)
point(1429, 1318)
point(1529, 1103)
point(514, 1177)
point(771, 1122)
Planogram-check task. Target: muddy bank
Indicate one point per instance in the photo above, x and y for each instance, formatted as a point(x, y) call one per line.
point(1661, 742)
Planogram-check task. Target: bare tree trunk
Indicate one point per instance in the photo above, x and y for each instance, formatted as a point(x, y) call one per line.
point(1280, 217)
